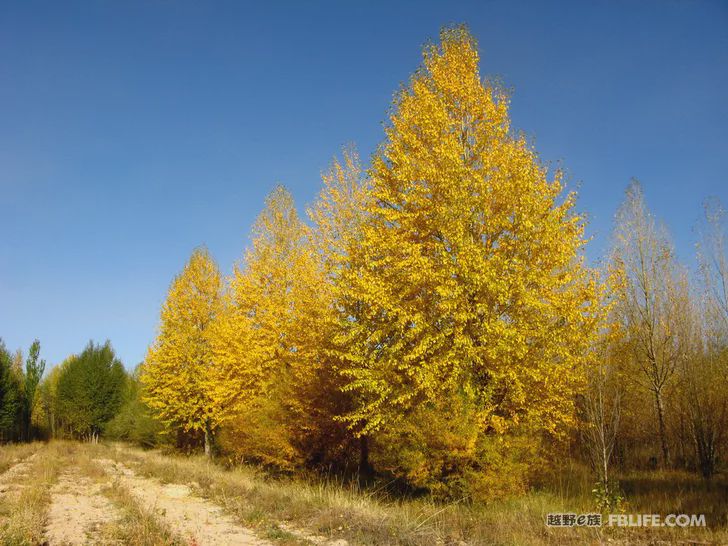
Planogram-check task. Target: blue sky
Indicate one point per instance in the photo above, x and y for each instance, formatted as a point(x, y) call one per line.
point(131, 132)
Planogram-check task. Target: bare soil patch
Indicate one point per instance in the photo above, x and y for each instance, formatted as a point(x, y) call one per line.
point(78, 511)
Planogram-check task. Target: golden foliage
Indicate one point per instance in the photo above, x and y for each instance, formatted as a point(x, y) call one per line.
point(265, 343)
point(438, 304)
point(468, 276)
point(177, 364)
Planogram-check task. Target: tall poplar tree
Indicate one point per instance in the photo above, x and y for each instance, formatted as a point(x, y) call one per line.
point(11, 398)
point(337, 217)
point(266, 341)
point(650, 301)
point(34, 369)
point(175, 370)
point(468, 281)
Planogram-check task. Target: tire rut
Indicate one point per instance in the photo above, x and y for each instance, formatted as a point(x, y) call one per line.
point(16, 472)
point(195, 519)
point(78, 511)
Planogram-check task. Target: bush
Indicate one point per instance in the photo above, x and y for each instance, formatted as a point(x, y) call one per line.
point(135, 423)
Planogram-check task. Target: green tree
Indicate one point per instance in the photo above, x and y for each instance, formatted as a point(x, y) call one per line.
point(10, 396)
point(135, 421)
point(34, 369)
point(90, 389)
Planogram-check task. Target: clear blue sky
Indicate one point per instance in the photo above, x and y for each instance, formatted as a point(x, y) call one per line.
point(131, 132)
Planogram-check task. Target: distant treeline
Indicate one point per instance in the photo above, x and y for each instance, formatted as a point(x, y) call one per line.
point(87, 395)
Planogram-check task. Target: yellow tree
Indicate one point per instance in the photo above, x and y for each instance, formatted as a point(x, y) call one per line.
point(467, 282)
point(337, 217)
point(265, 343)
point(650, 301)
point(177, 364)
point(704, 365)
point(338, 213)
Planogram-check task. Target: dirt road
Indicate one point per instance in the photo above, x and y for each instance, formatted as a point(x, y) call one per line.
point(78, 511)
point(67, 493)
point(196, 520)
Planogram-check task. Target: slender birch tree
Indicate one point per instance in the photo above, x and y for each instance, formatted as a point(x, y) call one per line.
point(649, 300)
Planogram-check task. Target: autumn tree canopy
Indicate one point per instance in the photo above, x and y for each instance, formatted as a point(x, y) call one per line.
point(468, 276)
point(434, 317)
point(177, 365)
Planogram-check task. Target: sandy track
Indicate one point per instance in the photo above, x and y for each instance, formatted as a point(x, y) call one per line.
point(78, 511)
point(192, 517)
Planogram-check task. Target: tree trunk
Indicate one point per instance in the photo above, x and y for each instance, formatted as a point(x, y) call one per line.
point(208, 441)
point(705, 450)
point(605, 470)
point(365, 469)
point(663, 434)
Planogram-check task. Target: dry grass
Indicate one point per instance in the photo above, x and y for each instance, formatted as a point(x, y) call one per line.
point(280, 508)
point(24, 504)
point(136, 525)
point(336, 510)
point(678, 492)
point(23, 508)
point(11, 454)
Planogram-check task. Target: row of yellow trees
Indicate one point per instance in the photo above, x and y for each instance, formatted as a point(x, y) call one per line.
point(435, 312)
point(433, 318)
